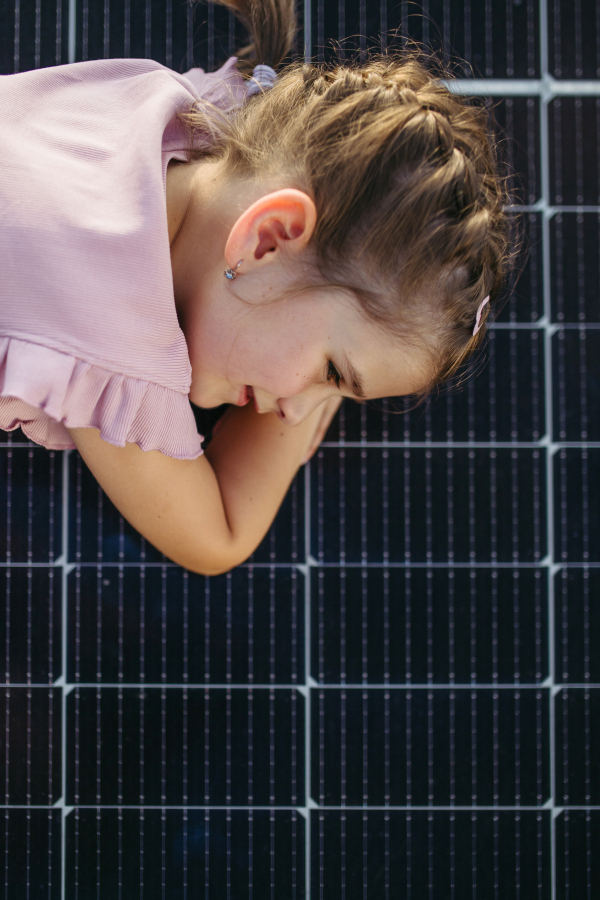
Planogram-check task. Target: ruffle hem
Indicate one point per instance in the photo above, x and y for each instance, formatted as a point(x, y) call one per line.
point(45, 391)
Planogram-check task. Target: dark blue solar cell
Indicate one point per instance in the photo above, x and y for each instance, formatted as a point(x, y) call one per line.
point(526, 282)
point(573, 128)
point(420, 505)
point(428, 626)
point(576, 380)
point(577, 762)
point(31, 497)
point(431, 853)
point(577, 863)
point(184, 853)
point(32, 744)
point(576, 505)
point(440, 747)
point(577, 625)
point(185, 745)
point(573, 47)
point(489, 41)
point(32, 853)
point(164, 625)
point(518, 118)
point(30, 624)
point(33, 35)
point(575, 267)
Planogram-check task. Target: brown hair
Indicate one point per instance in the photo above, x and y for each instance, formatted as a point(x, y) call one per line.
point(403, 173)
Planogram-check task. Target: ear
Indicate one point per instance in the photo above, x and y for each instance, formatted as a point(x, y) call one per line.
point(279, 223)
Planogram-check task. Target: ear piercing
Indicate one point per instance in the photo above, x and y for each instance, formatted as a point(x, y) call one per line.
point(230, 274)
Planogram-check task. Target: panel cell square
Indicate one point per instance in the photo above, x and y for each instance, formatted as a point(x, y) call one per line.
point(421, 505)
point(30, 624)
point(32, 845)
point(31, 745)
point(184, 746)
point(179, 36)
point(489, 41)
point(420, 747)
point(577, 625)
point(33, 35)
point(573, 129)
point(518, 121)
point(31, 495)
point(577, 505)
point(184, 853)
point(491, 406)
point(576, 359)
point(573, 48)
point(161, 624)
point(429, 626)
point(577, 859)
point(439, 855)
point(525, 301)
point(575, 267)
point(577, 766)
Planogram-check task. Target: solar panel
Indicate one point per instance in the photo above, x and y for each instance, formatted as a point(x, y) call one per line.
point(398, 694)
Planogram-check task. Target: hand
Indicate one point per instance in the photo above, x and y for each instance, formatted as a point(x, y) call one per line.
point(328, 411)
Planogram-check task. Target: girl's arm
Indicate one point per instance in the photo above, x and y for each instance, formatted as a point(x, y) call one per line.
point(207, 514)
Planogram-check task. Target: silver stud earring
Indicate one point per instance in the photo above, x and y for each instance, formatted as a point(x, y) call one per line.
point(231, 273)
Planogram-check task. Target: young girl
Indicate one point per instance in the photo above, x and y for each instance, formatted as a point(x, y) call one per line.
point(273, 244)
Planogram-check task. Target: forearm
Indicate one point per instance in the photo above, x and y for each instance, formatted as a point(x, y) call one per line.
point(255, 458)
point(210, 513)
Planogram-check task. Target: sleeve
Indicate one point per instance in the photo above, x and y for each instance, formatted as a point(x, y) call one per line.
point(45, 392)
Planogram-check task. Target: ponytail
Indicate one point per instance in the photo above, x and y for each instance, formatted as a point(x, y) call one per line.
point(271, 25)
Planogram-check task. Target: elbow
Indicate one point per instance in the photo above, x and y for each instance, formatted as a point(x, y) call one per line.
point(211, 564)
point(209, 571)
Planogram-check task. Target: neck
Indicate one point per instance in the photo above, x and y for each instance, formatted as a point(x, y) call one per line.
point(197, 234)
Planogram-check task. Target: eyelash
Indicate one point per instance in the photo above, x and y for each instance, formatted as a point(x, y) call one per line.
point(333, 374)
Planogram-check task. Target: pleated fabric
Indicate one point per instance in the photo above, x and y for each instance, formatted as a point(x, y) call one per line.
point(89, 335)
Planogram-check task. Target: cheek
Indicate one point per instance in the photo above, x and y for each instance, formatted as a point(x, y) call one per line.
point(281, 373)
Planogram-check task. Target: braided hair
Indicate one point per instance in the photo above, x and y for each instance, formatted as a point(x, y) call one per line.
point(404, 175)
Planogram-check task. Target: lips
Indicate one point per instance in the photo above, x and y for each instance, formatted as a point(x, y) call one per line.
point(246, 394)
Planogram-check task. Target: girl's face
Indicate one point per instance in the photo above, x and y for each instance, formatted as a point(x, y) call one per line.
point(290, 356)
point(286, 356)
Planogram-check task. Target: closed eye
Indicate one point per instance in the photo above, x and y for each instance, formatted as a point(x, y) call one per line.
point(333, 374)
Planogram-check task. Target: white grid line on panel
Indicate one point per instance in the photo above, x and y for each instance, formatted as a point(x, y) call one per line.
point(325, 685)
point(306, 689)
point(546, 96)
point(61, 682)
point(348, 807)
point(547, 86)
point(72, 13)
point(450, 564)
point(65, 571)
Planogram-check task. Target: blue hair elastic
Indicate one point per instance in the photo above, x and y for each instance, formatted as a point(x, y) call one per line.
point(263, 79)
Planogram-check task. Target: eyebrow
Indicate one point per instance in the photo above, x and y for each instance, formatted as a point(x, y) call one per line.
point(355, 379)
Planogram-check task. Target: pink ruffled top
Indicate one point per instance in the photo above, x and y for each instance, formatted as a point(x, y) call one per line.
point(88, 328)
